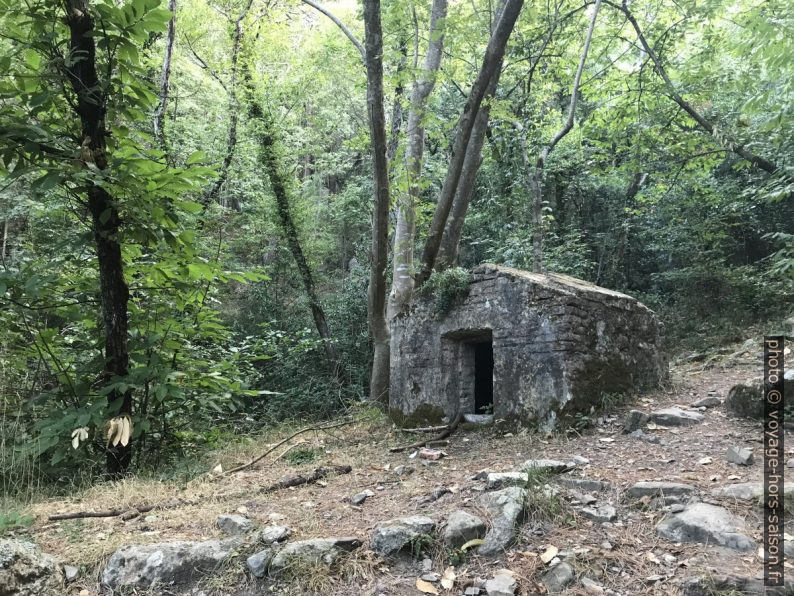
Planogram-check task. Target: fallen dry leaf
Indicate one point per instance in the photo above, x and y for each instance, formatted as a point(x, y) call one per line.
point(550, 553)
point(448, 579)
point(425, 587)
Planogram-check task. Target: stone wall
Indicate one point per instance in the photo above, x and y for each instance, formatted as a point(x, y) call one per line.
point(559, 344)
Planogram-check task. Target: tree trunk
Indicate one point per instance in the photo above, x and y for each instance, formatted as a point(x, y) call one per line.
point(722, 139)
point(114, 295)
point(165, 80)
point(379, 380)
point(268, 151)
point(536, 178)
point(405, 228)
point(491, 62)
point(213, 192)
point(450, 240)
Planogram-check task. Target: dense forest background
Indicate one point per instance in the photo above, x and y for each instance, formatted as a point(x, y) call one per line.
point(223, 148)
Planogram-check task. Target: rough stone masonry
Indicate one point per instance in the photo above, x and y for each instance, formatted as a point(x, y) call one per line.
point(523, 346)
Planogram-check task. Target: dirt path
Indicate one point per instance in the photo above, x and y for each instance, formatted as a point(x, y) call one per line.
point(626, 556)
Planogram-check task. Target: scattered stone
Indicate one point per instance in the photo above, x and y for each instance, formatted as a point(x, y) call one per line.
point(500, 479)
point(557, 578)
point(606, 545)
point(431, 454)
point(583, 498)
point(432, 577)
point(602, 513)
point(179, 562)
point(461, 527)
point(234, 524)
point(676, 508)
point(26, 571)
point(707, 402)
point(70, 572)
point(647, 437)
point(591, 586)
point(701, 522)
point(427, 564)
point(579, 460)
point(652, 489)
point(742, 456)
point(404, 470)
point(323, 551)
point(584, 484)
point(501, 584)
point(276, 517)
point(635, 420)
point(790, 463)
point(359, 498)
point(150, 519)
point(471, 591)
point(551, 466)
point(506, 508)
point(259, 562)
point(478, 418)
point(392, 536)
point(273, 534)
point(731, 584)
point(675, 417)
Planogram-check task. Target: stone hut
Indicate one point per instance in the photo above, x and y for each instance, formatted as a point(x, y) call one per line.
point(523, 346)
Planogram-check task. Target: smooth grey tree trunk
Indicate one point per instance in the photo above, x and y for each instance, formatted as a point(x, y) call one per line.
point(405, 227)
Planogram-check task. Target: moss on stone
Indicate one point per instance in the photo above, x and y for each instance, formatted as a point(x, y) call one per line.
point(425, 414)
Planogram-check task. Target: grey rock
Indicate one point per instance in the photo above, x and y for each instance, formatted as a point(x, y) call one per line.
point(234, 525)
point(676, 508)
point(731, 584)
point(359, 498)
point(741, 456)
point(701, 522)
point(746, 400)
point(70, 572)
point(602, 513)
point(324, 551)
point(149, 565)
point(557, 578)
point(395, 535)
point(790, 463)
point(647, 437)
point(707, 402)
point(591, 586)
point(747, 491)
point(461, 527)
point(583, 498)
point(579, 460)
point(635, 420)
point(506, 509)
point(652, 489)
point(499, 479)
point(583, 484)
point(676, 417)
point(259, 562)
point(26, 571)
point(431, 576)
point(550, 466)
point(501, 584)
point(273, 534)
point(404, 470)
point(471, 591)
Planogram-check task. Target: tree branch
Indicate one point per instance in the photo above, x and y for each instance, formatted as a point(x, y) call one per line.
point(341, 25)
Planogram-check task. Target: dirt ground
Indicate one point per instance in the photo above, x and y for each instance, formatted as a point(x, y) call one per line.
point(634, 561)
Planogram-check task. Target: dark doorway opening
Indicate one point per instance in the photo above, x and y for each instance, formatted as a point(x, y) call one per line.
point(483, 377)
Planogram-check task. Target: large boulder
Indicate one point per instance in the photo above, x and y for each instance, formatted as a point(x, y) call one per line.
point(396, 535)
point(148, 566)
point(506, 508)
point(746, 399)
point(709, 524)
point(324, 551)
point(26, 571)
